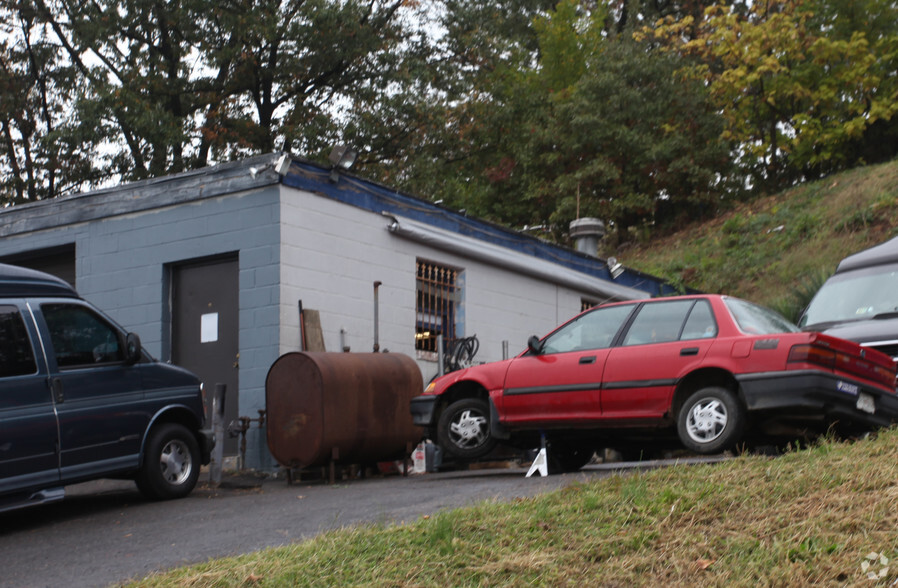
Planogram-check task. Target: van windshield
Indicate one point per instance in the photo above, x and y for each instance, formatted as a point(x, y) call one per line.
point(853, 296)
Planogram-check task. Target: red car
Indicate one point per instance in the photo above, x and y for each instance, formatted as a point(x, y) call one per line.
point(710, 370)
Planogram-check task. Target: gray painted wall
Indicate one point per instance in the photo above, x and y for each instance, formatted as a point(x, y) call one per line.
point(121, 261)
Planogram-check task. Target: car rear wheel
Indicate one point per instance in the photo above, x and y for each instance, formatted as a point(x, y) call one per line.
point(464, 429)
point(171, 463)
point(711, 420)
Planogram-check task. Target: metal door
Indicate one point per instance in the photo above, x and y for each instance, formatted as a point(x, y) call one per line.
point(28, 433)
point(204, 328)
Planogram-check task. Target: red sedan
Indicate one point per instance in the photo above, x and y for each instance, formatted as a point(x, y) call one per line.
point(712, 371)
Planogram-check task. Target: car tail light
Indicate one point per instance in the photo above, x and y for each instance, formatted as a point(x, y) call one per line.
point(809, 353)
point(821, 355)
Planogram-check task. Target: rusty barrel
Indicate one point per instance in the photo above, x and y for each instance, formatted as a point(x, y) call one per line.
point(345, 407)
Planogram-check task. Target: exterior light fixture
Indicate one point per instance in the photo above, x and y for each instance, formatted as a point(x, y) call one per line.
point(614, 267)
point(282, 165)
point(342, 158)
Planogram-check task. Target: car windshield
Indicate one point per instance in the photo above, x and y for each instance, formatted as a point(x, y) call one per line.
point(855, 295)
point(757, 320)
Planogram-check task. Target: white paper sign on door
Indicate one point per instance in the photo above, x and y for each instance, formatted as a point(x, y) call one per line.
point(209, 328)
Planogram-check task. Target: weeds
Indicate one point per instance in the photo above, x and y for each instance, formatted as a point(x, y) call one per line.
point(764, 249)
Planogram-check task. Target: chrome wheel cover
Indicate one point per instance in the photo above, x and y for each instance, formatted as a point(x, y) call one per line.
point(706, 421)
point(468, 429)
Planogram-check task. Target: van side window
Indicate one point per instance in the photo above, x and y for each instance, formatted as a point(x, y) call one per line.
point(81, 337)
point(16, 356)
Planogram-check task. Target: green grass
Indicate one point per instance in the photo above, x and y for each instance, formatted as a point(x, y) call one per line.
point(766, 250)
point(810, 517)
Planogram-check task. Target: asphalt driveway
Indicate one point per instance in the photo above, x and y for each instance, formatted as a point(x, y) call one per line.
point(105, 533)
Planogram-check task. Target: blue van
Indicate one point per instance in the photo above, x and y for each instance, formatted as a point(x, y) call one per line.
point(80, 400)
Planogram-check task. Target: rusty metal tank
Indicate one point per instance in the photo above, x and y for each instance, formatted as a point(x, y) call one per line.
point(341, 407)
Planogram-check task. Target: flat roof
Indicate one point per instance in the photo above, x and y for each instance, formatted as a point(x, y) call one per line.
point(259, 171)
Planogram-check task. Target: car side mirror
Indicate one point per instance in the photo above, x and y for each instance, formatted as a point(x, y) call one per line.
point(534, 345)
point(132, 349)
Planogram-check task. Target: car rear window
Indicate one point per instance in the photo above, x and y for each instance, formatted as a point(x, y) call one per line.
point(662, 322)
point(658, 322)
point(757, 320)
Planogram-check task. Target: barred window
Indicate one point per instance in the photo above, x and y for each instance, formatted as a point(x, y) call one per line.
point(586, 304)
point(438, 298)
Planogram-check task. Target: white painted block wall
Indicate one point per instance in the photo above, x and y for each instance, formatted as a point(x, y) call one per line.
point(332, 253)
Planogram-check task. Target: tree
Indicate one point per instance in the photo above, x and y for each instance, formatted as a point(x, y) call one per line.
point(33, 86)
point(631, 141)
point(596, 125)
point(796, 97)
point(155, 88)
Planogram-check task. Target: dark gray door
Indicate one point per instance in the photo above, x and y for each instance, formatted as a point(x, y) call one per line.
point(204, 328)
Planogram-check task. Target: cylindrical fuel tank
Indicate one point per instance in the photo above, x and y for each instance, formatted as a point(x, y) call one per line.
point(354, 406)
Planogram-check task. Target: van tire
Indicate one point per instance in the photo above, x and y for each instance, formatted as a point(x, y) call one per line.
point(171, 463)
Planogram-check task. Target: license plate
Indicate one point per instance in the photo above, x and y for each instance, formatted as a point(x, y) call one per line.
point(865, 403)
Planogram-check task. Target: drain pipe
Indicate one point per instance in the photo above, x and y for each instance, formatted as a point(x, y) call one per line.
point(376, 319)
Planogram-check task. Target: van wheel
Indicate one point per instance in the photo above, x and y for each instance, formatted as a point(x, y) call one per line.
point(464, 429)
point(171, 463)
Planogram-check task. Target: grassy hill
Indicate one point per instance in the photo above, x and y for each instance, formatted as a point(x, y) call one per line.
point(772, 249)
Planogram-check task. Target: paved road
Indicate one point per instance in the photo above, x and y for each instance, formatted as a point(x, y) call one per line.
point(105, 533)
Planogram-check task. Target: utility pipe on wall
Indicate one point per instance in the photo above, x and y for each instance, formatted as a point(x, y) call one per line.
point(376, 319)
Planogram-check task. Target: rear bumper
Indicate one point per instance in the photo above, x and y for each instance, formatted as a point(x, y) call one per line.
point(422, 408)
point(813, 392)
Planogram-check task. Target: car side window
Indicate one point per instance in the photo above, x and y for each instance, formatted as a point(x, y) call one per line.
point(701, 323)
point(16, 355)
point(80, 336)
point(658, 322)
point(592, 330)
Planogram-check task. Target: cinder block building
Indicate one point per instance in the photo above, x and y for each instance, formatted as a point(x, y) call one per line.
point(211, 267)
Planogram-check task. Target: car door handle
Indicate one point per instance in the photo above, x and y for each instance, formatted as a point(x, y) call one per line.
point(689, 351)
point(588, 359)
point(56, 390)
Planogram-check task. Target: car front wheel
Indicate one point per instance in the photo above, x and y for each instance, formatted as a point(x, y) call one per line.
point(711, 420)
point(171, 463)
point(464, 429)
